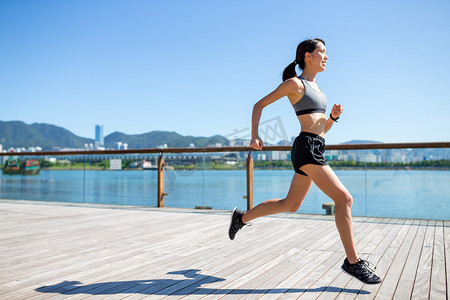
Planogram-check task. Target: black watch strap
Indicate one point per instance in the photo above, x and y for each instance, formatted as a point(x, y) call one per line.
point(334, 119)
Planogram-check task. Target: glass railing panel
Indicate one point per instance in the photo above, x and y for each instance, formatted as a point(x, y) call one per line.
point(270, 184)
point(46, 179)
point(204, 180)
point(121, 179)
point(224, 180)
point(11, 179)
point(350, 167)
point(61, 179)
point(183, 180)
point(354, 181)
point(273, 174)
point(412, 183)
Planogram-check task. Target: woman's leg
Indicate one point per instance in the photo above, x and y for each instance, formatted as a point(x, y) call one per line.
point(326, 180)
point(300, 186)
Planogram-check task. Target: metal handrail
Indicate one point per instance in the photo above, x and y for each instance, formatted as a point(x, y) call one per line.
point(233, 149)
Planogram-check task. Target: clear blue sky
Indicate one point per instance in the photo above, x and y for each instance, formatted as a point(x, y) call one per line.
point(197, 67)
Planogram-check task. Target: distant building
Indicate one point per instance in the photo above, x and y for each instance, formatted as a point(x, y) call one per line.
point(99, 135)
point(120, 146)
point(237, 142)
point(370, 157)
point(279, 155)
point(261, 156)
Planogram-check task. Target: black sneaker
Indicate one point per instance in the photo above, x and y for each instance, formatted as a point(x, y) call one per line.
point(360, 271)
point(236, 222)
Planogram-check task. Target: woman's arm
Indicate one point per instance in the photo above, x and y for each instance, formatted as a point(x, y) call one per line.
point(335, 113)
point(287, 87)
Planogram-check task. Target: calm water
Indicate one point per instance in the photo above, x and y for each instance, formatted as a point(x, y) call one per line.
point(380, 193)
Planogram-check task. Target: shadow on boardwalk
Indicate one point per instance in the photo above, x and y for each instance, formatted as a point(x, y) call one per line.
point(190, 285)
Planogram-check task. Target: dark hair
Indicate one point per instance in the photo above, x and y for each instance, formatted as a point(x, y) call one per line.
point(304, 47)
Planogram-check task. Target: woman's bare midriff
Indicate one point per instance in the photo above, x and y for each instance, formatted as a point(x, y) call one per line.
point(313, 123)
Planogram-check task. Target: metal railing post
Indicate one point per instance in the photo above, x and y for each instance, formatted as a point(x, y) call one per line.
point(161, 193)
point(249, 181)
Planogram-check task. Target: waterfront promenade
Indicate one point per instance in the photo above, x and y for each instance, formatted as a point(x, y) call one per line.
point(62, 250)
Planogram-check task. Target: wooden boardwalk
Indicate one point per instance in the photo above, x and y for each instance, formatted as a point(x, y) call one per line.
point(58, 251)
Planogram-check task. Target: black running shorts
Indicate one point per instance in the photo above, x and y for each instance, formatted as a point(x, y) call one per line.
point(308, 148)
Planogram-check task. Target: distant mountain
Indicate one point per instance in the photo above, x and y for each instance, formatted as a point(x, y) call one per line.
point(362, 142)
point(154, 139)
point(18, 134)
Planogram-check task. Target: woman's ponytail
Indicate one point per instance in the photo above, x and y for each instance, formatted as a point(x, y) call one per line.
point(304, 47)
point(289, 72)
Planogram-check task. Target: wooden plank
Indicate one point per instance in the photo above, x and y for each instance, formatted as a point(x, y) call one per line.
point(325, 286)
point(438, 273)
point(406, 281)
point(447, 255)
point(384, 254)
point(421, 288)
point(389, 284)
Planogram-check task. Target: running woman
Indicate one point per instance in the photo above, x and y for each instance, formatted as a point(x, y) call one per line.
point(307, 157)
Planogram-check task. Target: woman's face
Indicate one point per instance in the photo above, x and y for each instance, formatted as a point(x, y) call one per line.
point(318, 58)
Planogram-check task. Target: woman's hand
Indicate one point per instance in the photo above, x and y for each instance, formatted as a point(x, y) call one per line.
point(336, 111)
point(256, 143)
